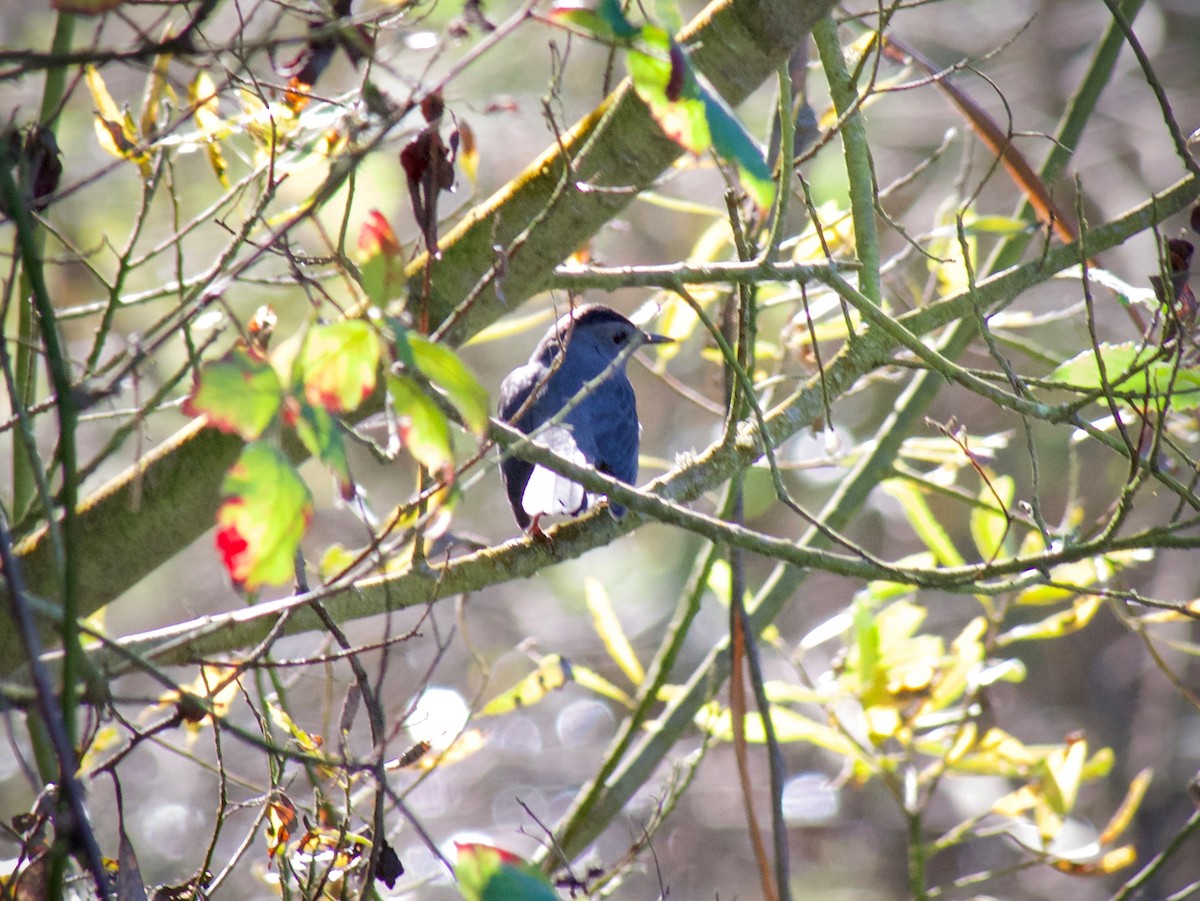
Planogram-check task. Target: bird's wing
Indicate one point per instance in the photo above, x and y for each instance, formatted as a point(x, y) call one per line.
point(516, 388)
point(514, 391)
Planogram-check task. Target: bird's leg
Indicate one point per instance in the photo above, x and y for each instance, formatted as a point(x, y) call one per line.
point(535, 531)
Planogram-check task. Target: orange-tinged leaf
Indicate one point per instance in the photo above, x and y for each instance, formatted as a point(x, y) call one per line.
point(338, 364)
point(281, 819)
point(380, 259)
point(468, 151)
point(265, 513)
point(240, 393)
point(1116, 859)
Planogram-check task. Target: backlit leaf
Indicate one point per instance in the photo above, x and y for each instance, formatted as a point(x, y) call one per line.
point(424, 429)
point(240, 393)
point(593, 681)
point(1064, 773)
point(682, 119)
point(265, 512)
point(449, 374)
point(338, 364)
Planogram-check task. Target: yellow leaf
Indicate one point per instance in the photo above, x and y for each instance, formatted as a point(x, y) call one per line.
point(114, 127)
point(156, 88)
point(1116, 859)
point(553, 672)
point(1016, 802)
point(989, 525)
point(1064, 772)
point(1048, 821)
point(206, 103)
point(608, 627)
point(593, 681)
point(460, 749)
point(468, 151)
point(1056, 625)
point(106, 738)
point(1129, 805)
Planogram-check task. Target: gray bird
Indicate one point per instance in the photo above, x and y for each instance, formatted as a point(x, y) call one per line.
point(601, 430)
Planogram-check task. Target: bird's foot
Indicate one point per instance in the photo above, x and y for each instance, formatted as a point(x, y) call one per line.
point(535, 532)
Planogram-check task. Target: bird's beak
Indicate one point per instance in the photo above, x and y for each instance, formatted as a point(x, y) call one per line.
point(652, 338)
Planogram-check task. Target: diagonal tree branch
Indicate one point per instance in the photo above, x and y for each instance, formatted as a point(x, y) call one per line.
point(517, 559)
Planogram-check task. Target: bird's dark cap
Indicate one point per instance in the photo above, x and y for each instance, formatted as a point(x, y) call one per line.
point(598, 312)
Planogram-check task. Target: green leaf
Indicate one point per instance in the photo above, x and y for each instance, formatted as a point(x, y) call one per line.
point(604, 21)
point(693, 115)
point(670, 90)
point(380, 260)
point(989, 526)
point(486, 873)
point(448, 374)
point(240, 393)
point(924, 523)
point(322, 435)
point(424, 428)
point(1133, 372)
point(734, 144)
point(266, 510)
point(338, 364)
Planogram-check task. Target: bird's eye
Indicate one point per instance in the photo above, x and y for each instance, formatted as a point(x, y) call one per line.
point(619, 336)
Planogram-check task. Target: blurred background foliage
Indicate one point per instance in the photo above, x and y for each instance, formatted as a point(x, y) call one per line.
point(859, 665)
